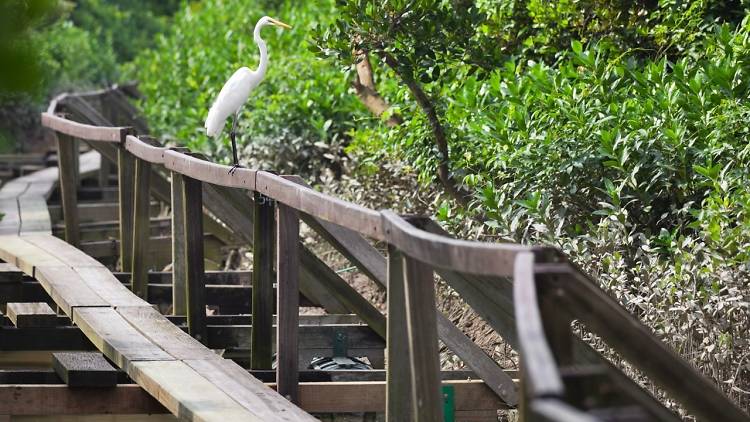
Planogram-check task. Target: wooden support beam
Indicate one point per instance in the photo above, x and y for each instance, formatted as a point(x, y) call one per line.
point(398, 369)
point(179, 254)
point(126, 191)
point(194, 265)
point(84, 369)
point(427, 399)
point(67, 162)
point(141, 224)
point(264, 248)
point(28, 315)
point(287, 339)
point(9, 273)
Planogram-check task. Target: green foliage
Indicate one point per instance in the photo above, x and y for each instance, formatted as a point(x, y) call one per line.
point(297, 119)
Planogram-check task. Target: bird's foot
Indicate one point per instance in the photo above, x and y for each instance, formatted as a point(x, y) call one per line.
point(234, 168)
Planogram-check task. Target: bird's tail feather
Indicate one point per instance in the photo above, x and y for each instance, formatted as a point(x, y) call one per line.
point(214, 123)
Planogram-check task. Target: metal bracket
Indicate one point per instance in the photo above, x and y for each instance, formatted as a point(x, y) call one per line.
point(263, 200)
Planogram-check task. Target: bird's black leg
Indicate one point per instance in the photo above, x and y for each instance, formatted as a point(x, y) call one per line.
point(233, 136)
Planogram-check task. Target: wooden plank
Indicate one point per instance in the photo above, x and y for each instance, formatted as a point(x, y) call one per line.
point(105, 169)
point(398, 375)
point(62, 250)
point(209, 172)
point(15, 250)
point(248, 391)
point(264, 248)
point(287, 281)
point(108, 287)
point(34, 215)
point(96, 211)
point(116, 338)
point(423, 342)
point(316, 397)
point(67, 288)
point(10, 224)
point(66, 154)
point(9, 273)
point(141, 202)
point(126, 193)
point(187, 394)
point(84, 369)
point(57, 400)
point(179, 265)
point(29, 315)
point(193, 241)
point(160, 331)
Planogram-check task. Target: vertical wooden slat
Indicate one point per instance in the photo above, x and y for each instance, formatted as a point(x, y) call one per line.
point(126, 189)
point(427, 399)
point(76, 145)
point(105, 169)
point(67, 161)
point(287, 270)
point(141, 205)
point(261, 347)
point(193, 232)
point(556, 322)
point(179, 266)
point(398, 372)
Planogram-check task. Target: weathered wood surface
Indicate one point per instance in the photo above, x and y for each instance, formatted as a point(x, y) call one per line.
point(126, 194)
point(141, 208)
point(195, 290)
point(398, 375)
point(84, 369)
point(28, 315)
point(287, 281)
point(263, 294)
point(67, 152)
point(83, 131)
point(179, 254)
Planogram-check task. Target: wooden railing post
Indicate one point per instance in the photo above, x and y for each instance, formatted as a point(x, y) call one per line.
point(141, 228)
point(67, 160)
point(398, 373)
point(261, 343)
point(179, 266)
point(193, 231)
point(426, 395)
point(126, 189)
point(287, 309)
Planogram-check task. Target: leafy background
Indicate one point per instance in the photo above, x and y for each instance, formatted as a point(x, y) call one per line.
point(614, 130)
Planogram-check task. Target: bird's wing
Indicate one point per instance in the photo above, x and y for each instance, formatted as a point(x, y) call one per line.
point(231, 97)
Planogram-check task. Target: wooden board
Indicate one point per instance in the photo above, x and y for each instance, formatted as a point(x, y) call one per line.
point(67, 288)
point(159, 330)
point(34, 215)
point(24, 255)
point(102, 282)
point(62, 250)
point(187, 394)
point(247, 390)
point(28, 315)
point(57, 400)
point(116, 338)
point(9, 273)
point(84, 369)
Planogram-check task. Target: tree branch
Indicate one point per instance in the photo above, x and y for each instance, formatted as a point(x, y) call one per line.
point(364, 84)
point(438, 132)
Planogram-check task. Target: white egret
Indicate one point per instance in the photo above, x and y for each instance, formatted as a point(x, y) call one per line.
point(238, 88)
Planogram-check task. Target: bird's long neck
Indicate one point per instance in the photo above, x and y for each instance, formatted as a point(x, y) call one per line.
point(263, 64)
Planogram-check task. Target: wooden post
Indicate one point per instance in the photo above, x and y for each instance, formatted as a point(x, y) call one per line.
point(421, 320)
point(126, 188)
point(66, 158)
point(179, 266)
point(193, 232)
point(398, 373)
point(287, 285)
point(261, 350)
point(141, 229)
point(556, 321)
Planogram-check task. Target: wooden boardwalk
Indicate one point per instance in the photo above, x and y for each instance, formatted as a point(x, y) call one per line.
point(530, 295)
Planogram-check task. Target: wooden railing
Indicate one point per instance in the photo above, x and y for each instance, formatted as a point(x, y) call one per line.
point(548, 292)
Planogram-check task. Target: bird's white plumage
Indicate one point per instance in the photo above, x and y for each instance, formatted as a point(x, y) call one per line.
point(231, 98)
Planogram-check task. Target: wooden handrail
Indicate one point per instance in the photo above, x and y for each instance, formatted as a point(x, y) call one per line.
point(527, 265)
point(82, 131)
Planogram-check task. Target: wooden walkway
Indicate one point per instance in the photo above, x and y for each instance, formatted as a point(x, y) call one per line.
point(187, 378)
point(529, 295)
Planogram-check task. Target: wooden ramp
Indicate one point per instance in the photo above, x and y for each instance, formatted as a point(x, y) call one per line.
point(187, 378)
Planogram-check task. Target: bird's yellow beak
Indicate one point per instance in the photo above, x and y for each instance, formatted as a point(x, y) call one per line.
point(279, 23)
